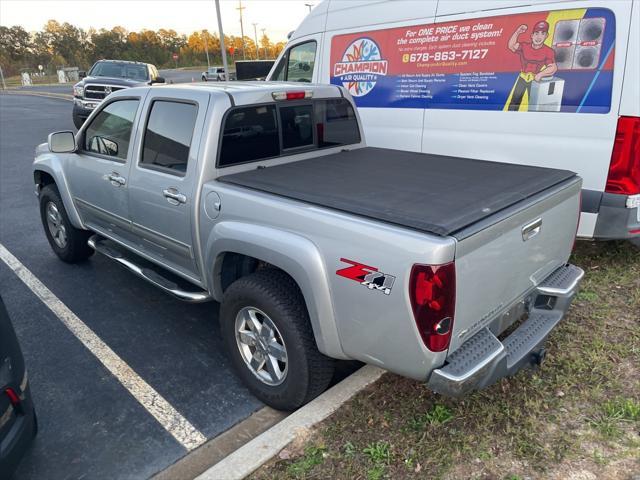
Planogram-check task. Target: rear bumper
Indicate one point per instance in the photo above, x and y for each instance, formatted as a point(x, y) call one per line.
point(618, 215)
point(483, 359)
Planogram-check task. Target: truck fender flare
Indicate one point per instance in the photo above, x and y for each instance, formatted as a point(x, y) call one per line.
point(292, 253)
point(51, 166)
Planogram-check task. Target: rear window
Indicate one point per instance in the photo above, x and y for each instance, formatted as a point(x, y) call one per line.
point(267, 131)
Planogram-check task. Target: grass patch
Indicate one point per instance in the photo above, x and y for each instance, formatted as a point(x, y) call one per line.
point(579, 412)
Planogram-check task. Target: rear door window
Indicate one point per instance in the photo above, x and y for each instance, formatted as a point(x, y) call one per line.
point(167, 138)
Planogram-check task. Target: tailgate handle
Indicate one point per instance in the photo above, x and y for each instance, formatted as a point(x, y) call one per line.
point(531, 229)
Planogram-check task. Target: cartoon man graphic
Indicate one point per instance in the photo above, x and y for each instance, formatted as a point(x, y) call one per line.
point(538, 61)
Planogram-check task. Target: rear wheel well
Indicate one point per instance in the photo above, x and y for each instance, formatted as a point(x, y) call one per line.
point(235, 266)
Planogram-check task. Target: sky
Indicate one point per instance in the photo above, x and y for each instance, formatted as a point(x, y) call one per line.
point(278, 17)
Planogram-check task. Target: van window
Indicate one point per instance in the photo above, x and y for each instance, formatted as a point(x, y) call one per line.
point(297, 64)
point(267, 131)
point(167, 138)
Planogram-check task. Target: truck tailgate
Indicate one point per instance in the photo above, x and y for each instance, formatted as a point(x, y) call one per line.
point(430, 193)
point(498, 266)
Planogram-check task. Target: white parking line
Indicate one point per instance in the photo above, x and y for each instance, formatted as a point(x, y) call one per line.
point(174, 423)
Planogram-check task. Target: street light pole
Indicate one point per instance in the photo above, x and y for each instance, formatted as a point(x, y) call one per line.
point(265, 48)
point(221, 33)
point(206, 47)
point(309, 6)
point(255, 36)
point(240, 8)
point(4, 85)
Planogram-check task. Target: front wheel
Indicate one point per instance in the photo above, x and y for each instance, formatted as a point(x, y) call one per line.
point(68, 243)
point(266, 330)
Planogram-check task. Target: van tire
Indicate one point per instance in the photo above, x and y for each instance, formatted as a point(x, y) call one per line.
point(308, 372)
point(75, 249)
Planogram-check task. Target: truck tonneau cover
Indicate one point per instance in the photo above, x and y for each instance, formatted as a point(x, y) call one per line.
point(430, 193)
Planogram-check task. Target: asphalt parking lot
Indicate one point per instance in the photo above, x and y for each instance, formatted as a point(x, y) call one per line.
point(90, 424)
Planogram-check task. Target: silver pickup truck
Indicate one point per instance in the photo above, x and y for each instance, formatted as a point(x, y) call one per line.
point(264, 197)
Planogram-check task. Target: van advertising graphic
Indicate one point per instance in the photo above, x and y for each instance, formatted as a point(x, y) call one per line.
point(557, 61)
point(360, 67)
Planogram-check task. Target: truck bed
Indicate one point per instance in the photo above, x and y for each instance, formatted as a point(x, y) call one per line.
point(436, 194)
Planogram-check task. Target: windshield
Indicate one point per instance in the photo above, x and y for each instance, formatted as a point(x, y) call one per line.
point(119, 70)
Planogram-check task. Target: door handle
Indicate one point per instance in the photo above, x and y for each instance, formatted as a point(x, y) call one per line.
point(116, 179)
point(173, 196)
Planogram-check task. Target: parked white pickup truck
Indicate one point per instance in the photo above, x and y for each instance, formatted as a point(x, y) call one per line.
point(264, 197)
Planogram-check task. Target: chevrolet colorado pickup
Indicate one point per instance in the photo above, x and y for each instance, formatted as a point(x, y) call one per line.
point(105, 77)
point(264, 197)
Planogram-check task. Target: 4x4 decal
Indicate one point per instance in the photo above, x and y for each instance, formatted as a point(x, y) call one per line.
point(368, 276)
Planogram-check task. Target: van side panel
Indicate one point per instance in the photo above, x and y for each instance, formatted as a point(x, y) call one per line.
point(630, 101)
point(348, 16)
point(579, 142)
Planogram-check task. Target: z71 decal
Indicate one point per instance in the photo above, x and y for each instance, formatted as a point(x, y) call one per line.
point(370, 277)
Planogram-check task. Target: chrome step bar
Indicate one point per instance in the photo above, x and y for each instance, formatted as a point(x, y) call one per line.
point(111, 250)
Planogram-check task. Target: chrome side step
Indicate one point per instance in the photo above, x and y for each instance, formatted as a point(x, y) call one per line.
point(164, 280)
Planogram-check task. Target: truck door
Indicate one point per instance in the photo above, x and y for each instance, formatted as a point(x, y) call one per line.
point(98, 173)
point(162, 178)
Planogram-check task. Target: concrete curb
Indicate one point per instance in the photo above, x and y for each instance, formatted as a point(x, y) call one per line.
point(261, 449)
point(59, 96)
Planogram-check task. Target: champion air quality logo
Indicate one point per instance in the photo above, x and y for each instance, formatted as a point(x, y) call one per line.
point(361, 66)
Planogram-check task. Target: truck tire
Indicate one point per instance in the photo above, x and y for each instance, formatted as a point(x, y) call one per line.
point(68, 243)
point(266, 330)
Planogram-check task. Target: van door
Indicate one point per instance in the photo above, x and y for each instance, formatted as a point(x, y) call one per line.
point(503, 102)
point(161, 188)
point(362, 51)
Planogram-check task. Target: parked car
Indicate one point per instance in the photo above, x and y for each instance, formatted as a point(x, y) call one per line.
point(266, 198)
point(547, 83)
point(18, 424)
point(105, 77)
point(214, 74)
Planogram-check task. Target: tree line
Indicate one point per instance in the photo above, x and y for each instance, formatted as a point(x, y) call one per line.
point(60, 45)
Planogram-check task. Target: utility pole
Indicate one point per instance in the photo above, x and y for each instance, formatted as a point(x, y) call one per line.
point(240, 8)
point(263, 30)
point(255, 36)
point(309, 6)
point(224, 51)
point(206, 47)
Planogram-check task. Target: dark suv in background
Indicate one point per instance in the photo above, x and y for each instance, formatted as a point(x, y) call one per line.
point(105, 77)
point(18, 423)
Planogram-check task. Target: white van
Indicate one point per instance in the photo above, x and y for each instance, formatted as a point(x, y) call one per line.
point(554, 84)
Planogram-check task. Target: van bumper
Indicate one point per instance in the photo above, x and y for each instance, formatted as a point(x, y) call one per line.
point(483, 359)
point(618, 217)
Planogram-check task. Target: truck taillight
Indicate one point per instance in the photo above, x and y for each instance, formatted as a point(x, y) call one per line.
point(624, 171)
point(432, 290)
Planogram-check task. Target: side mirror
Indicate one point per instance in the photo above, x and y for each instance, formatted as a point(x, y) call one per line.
point(62, 142)
point(159, 80)
point(82, 74)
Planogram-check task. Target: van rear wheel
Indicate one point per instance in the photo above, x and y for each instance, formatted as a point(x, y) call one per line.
point(266, 330)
